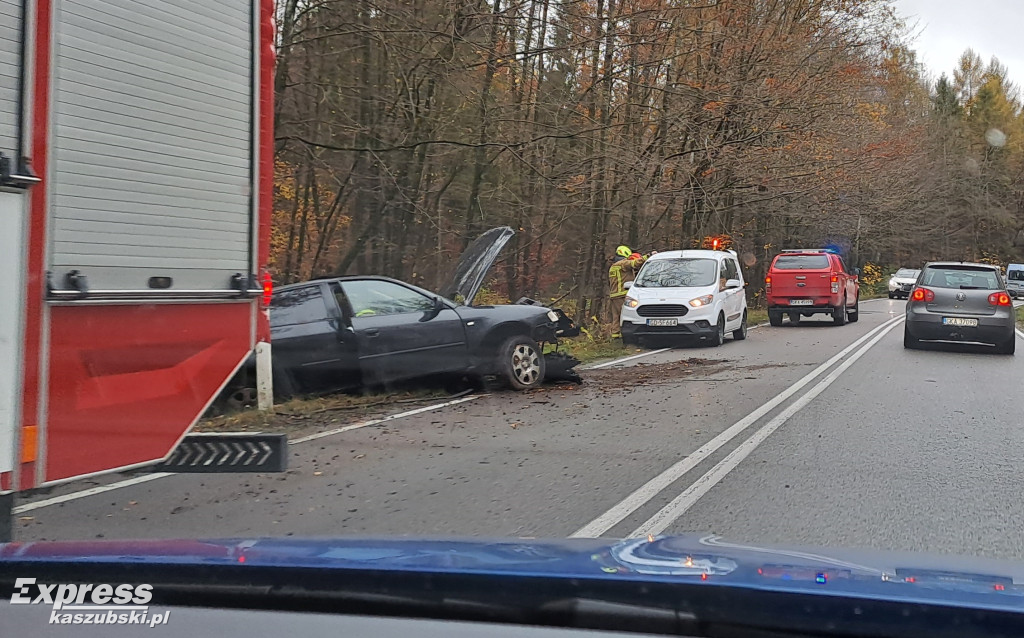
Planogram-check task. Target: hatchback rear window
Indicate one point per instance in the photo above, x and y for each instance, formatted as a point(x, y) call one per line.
point(801, 262)
point(962, 277)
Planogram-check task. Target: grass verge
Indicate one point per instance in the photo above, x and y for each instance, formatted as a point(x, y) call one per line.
point(1020, 316)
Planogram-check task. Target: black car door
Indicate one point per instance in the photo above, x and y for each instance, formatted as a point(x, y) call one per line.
point(309, 345)
point(402, 332)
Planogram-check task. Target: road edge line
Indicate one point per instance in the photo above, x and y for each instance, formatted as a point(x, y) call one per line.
point(678, 506)
point(383, 419)
point(639, 497)
point(625, 359)
point(145, 478)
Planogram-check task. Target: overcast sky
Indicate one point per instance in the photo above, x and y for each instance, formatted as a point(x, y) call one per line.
point(946, 27)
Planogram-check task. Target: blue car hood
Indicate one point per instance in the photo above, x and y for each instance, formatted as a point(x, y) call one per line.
point(695, 559)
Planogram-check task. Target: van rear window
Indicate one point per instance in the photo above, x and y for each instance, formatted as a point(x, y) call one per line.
point(801, 262)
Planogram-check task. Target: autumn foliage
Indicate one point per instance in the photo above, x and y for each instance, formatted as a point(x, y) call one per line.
point(407, 127)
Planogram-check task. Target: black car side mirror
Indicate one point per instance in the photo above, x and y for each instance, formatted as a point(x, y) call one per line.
point(434, 310)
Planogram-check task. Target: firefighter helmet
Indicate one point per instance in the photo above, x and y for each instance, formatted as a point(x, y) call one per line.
point(623, 251)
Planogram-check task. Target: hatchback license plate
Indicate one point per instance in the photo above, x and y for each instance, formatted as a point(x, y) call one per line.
point(662, 322)
point(959, 321)
point(801, 302)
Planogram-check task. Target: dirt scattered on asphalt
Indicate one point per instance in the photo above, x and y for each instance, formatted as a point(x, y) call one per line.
point(653, 373)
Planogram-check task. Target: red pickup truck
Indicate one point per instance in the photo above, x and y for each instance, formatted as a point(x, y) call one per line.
point(807, 282)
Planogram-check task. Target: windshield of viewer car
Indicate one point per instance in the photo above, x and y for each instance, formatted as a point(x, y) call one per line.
point(965, 278)
point(678, 273)
point(801, 262)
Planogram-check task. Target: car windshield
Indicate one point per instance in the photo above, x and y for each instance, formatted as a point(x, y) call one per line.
point(962, 277)
point(678, 273)
point(907, 273)
point(1015, 275)
point(801, 262)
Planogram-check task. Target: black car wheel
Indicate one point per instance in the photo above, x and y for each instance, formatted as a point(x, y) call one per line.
point(794, 318)
point(839, 314)
point(892, 295)
point(855, 313)
point(741, 333)
point(719, 337)
point(520, 363)
point(1008, 347)
point(775, 317)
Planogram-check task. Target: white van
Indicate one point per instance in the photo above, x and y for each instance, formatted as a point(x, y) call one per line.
point(1015, 280)
point(686, 294)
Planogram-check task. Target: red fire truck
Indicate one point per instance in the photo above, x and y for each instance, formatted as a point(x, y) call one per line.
point(136, 155)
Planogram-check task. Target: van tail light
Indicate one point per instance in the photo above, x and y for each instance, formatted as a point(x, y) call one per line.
point(835, 284)
point(999, 299)
point(268, 289)
point(768, 285)
point(923, 294)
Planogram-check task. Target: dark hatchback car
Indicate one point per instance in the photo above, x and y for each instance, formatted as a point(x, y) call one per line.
point(963, 303)
point(367, 331)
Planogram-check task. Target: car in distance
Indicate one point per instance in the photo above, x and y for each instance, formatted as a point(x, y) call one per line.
point(1015, 280)
point(686, 295)
point(806, 282)
point(960, 302)
point(901, 282)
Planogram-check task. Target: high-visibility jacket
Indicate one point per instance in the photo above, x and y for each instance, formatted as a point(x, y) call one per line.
point(622, 271)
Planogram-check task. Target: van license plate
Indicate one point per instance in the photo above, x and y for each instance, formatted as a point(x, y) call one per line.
point(662, 322)
point(801, 302)
point(959, 321)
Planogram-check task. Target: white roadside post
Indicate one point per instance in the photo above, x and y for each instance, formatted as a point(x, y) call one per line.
point(264, 377)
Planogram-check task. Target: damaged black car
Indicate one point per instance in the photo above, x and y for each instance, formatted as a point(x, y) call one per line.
point(344, 333)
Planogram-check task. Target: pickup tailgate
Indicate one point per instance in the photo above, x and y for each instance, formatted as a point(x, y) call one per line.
point(801, 277)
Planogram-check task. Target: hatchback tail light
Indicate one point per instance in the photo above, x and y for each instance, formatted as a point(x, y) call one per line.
point(999, 299)
point(922, 294)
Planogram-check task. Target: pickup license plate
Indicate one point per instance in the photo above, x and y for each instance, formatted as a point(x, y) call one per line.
point(662, 322)
point(801, 302)
point(959, 321)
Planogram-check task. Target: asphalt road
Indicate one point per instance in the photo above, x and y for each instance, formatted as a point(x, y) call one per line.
point(809, 434)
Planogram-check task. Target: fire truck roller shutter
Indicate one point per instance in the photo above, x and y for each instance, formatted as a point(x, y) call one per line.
point(152, 134)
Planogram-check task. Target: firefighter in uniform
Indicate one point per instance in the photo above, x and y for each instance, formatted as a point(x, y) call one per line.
point(625, 267)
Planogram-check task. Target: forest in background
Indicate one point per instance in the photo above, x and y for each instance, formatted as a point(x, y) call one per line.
point(405, 128)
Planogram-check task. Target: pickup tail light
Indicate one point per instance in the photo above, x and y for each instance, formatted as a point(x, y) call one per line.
point(999, 299)
point(835, 284)
point(923, 294)
point(768, 285)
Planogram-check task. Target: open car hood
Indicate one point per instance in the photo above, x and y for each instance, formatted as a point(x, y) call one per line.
point(474, 264)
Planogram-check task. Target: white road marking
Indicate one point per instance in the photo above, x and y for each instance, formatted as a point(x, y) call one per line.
point(92, 491)
point(625, 359)
point(652, 488)
point(384, 419)
point(649, 353)
point(680, 504)
point(1019, 333)
point(145, 478)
